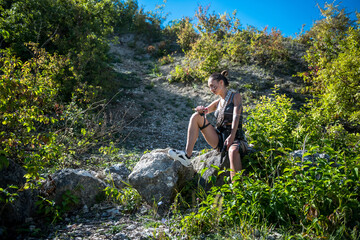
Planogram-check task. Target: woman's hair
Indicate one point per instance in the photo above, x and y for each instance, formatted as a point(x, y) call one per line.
point(220, 76)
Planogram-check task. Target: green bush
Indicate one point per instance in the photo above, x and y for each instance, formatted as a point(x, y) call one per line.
point(268, 49)
point(182, 74)
point(29, 107)
point(204, 52)
point(36, 128)
point(314, 129)
point(127, 197)
point(184, 31)
point(310, 199)
point(221, 41)
point(316, 201)
point(332, 59)
point(79, 30)
point(340, 98)
point(272, 122)
point(237, 48)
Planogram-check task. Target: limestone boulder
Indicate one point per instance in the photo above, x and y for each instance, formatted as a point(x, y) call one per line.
point(158, 178)
point(81, 184)
point(116, 175)
point(207, 167)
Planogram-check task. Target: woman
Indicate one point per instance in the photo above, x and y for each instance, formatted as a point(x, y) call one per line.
point(228, 134)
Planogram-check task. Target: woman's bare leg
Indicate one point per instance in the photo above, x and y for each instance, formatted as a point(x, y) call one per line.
point(209, 133)
point(235, 160)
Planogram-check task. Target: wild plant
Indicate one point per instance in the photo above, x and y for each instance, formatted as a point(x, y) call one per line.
point(268, 49)
point(332, 57)
point(55, 212)
point(316, 200)
point(128, 198)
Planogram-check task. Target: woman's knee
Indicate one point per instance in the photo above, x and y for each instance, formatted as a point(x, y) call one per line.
point(195, 116)
point(198, 119)
point(233, 151)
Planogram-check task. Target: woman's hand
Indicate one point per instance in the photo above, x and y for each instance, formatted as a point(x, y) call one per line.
point(201, 109)
point(229, 141)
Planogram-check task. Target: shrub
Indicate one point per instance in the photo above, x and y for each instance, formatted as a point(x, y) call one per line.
point(37, 130)
point(340, 98)
point(272, 122)
point(220, 37)
point(77, 29)
point(166, 59)
point(236, 47)
point(318, 201)
point(268, 48)
point(206, 54)
point(29, 107)
point(127, 197)
point(332, 61)
point(182, 74)
point(185, 32)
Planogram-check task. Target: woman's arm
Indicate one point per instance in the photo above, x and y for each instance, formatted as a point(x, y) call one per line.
point(209, 109)
point(236, 113)
point(236, 118)
point(212, 106)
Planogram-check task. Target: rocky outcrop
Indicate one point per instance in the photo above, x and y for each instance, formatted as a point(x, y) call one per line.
point(207, 166)
point(306, 160)
point(304, 156)
point(24, 204)
point(116, 175)
point(80, 184)
point(158, 178)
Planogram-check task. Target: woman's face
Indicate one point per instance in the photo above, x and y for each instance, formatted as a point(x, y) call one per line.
point(214, 86)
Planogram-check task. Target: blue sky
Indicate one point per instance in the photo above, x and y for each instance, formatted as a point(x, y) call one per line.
point(288, 16)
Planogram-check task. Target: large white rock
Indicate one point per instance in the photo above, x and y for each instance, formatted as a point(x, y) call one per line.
point(158, 178)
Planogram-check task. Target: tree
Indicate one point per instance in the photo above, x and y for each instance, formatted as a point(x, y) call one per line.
point(333, 62)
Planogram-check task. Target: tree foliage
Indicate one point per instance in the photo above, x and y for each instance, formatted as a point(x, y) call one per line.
point(333, 65)
point(29, 110)
point(78, 29)
point(218, 40)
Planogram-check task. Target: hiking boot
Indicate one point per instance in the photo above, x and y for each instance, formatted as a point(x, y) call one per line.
point(180, 156)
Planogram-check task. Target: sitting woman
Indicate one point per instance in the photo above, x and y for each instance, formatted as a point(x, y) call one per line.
point(228, 134)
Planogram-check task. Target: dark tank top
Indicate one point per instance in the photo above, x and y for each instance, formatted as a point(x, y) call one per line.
point(228, 117)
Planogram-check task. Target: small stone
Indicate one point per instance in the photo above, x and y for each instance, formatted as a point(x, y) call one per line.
point(32, 228)
point(131, 227)
point(85, 209)
point(70, 226)
point(104, 214)
point(120, 236)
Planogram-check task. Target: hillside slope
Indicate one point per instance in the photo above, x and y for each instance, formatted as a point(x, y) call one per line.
point(157, 112)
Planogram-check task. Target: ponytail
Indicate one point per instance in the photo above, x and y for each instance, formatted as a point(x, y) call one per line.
point(221, 76)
